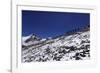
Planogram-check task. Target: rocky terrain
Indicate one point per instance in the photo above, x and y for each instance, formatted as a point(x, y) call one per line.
point(74, 46)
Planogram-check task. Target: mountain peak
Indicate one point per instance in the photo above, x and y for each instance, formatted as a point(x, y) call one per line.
point(35, 37)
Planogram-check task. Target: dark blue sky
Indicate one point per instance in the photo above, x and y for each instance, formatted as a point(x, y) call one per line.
point(50, 24)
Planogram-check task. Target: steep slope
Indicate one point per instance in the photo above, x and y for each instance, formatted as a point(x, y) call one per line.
point(75, 46)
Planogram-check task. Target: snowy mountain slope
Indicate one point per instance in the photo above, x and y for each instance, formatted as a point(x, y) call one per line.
point(31, 39)
point(63, 48)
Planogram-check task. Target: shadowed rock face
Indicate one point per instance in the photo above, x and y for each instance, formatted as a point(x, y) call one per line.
point(75, 46)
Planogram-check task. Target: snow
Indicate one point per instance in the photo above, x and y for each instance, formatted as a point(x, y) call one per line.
point(63, 48)
point(25, 37)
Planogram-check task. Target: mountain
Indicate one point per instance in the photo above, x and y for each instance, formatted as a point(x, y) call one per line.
point(74, 46)
point(30, 40)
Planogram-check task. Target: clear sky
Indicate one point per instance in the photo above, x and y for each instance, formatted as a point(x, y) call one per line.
point(50, 24)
